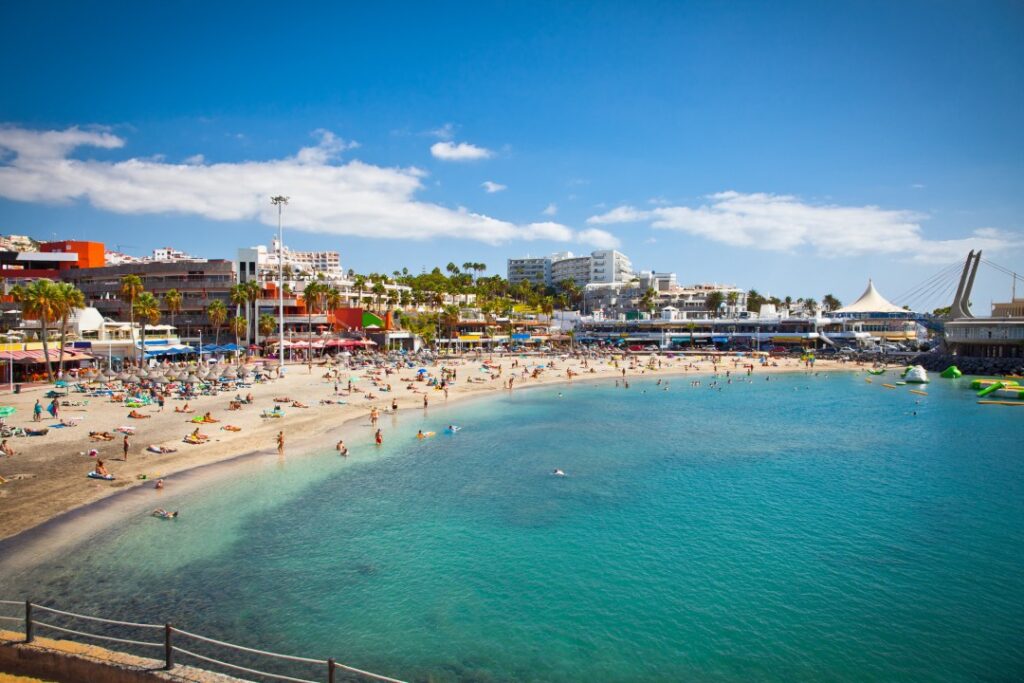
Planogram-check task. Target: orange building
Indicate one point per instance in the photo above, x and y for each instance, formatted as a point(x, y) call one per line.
point(90, 254)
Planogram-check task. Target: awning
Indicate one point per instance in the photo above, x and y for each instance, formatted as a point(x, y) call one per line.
point(37, 356)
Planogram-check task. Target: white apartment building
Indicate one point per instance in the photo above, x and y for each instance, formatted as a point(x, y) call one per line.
point(260, 261)
point(534, 270)
point(605, 266)
point(609, 265)
point(659, 282)
point(171, 254)
point(575, 268)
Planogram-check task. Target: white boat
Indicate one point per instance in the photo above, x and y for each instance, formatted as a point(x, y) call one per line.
point(915, 375)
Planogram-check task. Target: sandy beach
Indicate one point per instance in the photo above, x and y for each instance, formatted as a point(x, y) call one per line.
point(46, 476)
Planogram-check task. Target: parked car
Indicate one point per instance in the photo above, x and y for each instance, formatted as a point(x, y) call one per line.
point(847, 349)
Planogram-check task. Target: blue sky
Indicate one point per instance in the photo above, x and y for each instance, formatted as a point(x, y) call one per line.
point(798, 148)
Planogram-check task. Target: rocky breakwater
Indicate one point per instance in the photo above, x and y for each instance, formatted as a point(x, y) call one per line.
point(970, 365)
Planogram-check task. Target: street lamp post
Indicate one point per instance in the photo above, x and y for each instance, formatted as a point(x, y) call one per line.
point(280, 201)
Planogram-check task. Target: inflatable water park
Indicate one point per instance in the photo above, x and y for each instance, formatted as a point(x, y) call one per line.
point(1007, 391)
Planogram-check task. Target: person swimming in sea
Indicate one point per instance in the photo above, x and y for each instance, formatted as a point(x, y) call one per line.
point(342, 449)
point(164, 514)
point(558, 473)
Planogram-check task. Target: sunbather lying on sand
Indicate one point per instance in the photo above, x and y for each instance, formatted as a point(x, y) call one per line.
point(101, 436)
point(183, 409)
point(152, 448)
point(137, 415)
point(231, 428)
point(298, 404)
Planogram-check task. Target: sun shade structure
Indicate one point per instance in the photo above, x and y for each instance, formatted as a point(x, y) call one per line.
point(871, 302)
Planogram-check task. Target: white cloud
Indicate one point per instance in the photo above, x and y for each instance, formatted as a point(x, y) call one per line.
point(351, 198)
point(195, 160)
point(491, 187)
point(784, 223)
point(550, 210)
point(595, 237)
point(620, 214)
point(445, 132)
point(547, 230)
point(459, 151)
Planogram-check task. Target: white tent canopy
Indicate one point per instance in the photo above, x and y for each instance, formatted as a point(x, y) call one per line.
point(871, 302)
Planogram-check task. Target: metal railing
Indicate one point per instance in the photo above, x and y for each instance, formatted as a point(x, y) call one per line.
point(171, 637)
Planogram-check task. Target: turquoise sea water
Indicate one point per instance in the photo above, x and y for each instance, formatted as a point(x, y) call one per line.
point(803, 528)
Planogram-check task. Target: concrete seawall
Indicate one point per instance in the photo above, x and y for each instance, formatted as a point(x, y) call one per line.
point(65, 661)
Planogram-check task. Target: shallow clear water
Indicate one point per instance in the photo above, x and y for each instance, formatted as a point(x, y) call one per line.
point(803, 528)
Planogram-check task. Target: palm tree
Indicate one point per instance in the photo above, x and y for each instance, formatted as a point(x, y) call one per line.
point(731, 298)
point(240, 298)
point(378, 290)
point(39, 301)
point(359, 282)
point(570, 289)
point(172, 299)
point(547, 306)
point(754, 301)
point(217, 312)
point(647, 300)
point(831, 303)
point(266, 324)
point(333, 300)
point(69, 299)
point(147, 308)
point(131, 288)
point(254, 292)
point(312, 295)
point(240, 326)
point(450, 318)
point(713, 302)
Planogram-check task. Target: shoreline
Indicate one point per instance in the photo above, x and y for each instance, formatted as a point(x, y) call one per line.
point(53, 512)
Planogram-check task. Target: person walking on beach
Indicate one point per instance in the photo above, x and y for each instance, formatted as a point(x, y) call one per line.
point(126, 445)
point(378, 438)
point(425, 401)
point(280, 443)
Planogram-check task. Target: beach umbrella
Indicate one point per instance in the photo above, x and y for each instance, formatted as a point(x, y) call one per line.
point(421, 371)
point(159, 380)
point(192, 379)
point(123, 376)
